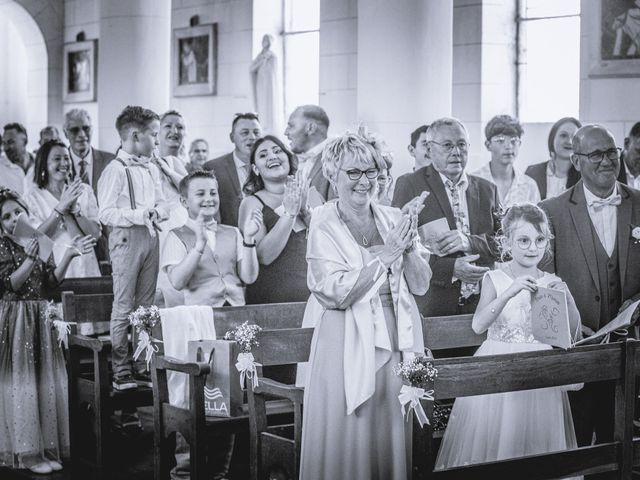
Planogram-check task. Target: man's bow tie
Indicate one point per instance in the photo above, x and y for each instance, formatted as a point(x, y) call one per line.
point(600, 203)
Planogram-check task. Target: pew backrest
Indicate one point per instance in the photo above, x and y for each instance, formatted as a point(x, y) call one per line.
point(269, 316)
point(91, 312)
point(283, 347)
point(449, 332)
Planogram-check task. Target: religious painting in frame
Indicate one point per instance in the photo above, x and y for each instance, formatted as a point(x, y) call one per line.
point(615, 50)
point(195, 60)
point(79, 71)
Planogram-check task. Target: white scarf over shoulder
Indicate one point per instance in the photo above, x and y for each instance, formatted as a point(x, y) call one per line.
point(335, 263)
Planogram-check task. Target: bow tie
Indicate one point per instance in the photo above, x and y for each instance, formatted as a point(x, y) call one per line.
point(600, 203)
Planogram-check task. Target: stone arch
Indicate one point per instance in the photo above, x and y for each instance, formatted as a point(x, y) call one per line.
point(40, 25)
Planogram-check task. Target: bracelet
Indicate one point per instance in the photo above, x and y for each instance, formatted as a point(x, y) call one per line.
point(248, 245)
point(60, 214)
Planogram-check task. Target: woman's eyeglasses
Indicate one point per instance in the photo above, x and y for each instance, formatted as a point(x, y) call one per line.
point(355, 174)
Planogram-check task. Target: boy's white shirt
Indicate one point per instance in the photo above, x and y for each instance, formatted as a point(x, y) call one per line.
point(113, 192)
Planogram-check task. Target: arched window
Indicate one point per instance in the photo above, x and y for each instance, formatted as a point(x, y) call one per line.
point(548, 81)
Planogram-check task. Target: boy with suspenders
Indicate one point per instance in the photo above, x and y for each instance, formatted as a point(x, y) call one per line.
point(132, 204)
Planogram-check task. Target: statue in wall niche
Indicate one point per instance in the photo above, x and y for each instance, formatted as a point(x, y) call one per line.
point(266, 91)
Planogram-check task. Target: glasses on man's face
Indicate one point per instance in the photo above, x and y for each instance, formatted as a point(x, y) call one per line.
point(525, 242)
point(76, 130)
point(503, 140)
point(598, 155)
point(355, 173)
point(449, 146)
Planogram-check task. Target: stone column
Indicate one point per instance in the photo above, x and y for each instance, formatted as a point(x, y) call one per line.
point(404, 68)
point(134, 52)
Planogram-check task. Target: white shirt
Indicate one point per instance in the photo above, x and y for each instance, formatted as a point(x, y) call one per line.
point(306, 159)
point(11, 175)
point(604, 219)
point(87, 158)
point(555, 185)
point(113, 192)
point(523, 188)
point(241, 169)
point(633, 182)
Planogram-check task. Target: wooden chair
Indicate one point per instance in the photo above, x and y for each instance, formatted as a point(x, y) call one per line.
point(459, 377)
point(90, 390)
point(85, 285)
point(191, 422)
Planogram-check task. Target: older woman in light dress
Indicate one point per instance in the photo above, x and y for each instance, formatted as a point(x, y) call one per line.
point(364, 264)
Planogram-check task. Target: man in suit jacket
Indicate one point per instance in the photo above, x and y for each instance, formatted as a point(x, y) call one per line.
point(232, 169)
point(307, 130)
point(87, 161)
point(594, 251)
point(468, 204)
point(630, 159)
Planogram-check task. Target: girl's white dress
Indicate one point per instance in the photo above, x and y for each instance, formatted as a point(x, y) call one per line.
point(492, 427)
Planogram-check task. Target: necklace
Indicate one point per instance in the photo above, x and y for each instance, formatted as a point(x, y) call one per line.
point(365, 237)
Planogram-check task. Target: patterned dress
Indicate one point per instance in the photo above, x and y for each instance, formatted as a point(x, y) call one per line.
point(34, 418)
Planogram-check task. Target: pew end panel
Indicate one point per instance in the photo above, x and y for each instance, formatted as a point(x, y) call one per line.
point(273, 447)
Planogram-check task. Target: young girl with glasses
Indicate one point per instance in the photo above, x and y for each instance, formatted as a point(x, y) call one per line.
point(505, 425)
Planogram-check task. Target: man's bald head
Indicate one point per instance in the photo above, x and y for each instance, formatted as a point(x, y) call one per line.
point(589, 134)
point(597, 159)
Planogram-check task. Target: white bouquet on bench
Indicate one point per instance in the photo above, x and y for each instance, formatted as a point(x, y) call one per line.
point(245, 335)
point(417, 375)
point(144, 319)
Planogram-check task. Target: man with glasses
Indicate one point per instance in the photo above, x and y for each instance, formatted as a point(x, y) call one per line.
point(14, 142)
point(630, 159)
point(89, 162)
point(232, 169)
point(596, 252)
point(11, 175)
point(503, 134)
point(467, 203)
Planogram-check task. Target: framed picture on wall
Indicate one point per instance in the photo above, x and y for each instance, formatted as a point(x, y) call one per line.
point(79, 71)
point(195, 60)
point(615, 51)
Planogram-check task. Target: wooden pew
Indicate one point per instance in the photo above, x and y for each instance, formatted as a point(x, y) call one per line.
point(191, 422)
point(459, 377)
point(271, 450)
point(90, 389)
point(95, 285)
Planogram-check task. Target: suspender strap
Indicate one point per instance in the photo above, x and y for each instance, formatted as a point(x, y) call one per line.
point(132, 194)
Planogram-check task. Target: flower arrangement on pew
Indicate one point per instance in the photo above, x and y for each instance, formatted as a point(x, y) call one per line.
point(246, 337)
point(144, 319)
point(417, 375)
point(53, 316)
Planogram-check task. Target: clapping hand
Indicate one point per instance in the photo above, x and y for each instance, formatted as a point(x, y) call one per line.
point(151, 219)
point(398, 240)
point(292, 201)
point(82, 245)
point(416, 204)
point(31, 250)
point(70, 194)
point(201, 236)
point(252, 225)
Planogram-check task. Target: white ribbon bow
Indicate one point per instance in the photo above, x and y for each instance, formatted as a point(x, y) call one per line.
point(412, 396)
point(246, 365)
point(145, 344)
point(63, 329)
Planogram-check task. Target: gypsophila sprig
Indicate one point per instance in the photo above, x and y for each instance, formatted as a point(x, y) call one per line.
point(418, 372)
point(417, 375)
point(245, 335)
point(143, 320)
